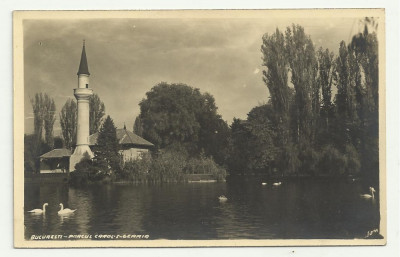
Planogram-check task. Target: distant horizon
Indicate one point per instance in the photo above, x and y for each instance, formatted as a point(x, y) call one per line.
point(127, 57)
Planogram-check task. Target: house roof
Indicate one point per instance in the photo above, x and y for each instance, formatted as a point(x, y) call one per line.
point(125, 137)
point(57, 153)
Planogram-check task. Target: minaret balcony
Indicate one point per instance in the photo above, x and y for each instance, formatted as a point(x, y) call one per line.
point(83, 93)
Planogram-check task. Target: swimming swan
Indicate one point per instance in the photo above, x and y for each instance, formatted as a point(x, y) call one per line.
point(65, 211)
point(39, 211)
point(368, 196)
point(264, 183)
point(277, 184)
point(222, 198)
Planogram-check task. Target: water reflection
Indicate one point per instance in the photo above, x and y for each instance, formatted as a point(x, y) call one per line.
point(295, 209)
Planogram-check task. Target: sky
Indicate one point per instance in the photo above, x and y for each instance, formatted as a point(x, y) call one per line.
point(127, 57)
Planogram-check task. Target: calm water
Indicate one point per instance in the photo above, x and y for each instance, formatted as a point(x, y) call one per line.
point(296, 209)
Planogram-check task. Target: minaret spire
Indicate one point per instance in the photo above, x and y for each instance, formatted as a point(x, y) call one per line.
point(83, 66)
point(82, 95)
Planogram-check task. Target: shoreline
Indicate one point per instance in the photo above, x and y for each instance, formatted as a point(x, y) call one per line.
point(49, 178)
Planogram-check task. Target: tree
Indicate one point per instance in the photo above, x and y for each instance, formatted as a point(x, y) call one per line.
point(44, 117)
point(68, 119)
point(253, 147)
point(108, 147)
point(238, 161)
point(303, 67)
point(365, 47)
point(33, 148)
point(276, 79)
point(138, 127)
point(96, 111)
point(347, 79)
point(37, 105)
point(58, 142)
point(49, 119)
point(177, 114)
point(325, 70)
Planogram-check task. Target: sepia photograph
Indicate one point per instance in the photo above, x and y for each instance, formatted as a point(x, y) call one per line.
point(199, 128)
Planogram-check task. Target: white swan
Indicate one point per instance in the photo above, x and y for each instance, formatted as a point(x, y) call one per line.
point(39, 211)
point(277, 183)
point(368, 196)
point(264, 183)
point(222, 198)
point(65, 211)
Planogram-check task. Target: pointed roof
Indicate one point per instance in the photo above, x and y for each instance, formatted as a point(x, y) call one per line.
point(57, 153)
point(125, 137)
point(83, 66)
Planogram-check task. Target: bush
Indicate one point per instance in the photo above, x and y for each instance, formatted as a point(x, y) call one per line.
point(137, 169)
point(89, 171)
point(288, 162)
point(353, 160)
point(205, 165)
point(170, 166)
point(309, 159)
point(333, 162)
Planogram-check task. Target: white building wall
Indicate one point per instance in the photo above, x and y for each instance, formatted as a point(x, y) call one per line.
point(133, 153)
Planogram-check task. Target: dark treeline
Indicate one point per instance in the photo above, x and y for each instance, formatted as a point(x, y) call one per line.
point(322, 116)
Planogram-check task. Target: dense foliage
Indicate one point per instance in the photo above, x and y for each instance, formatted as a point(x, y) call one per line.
point(42, 140)
point(305, 129)
point(170, 166)
point(107, 151)
point(44, 114)
point(68, 119)
point(96, 112)
point(138, 126)
point(90, 171)
point(33, 148)
point(179, 116)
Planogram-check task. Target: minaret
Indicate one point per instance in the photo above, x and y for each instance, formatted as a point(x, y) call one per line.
point(82, 94)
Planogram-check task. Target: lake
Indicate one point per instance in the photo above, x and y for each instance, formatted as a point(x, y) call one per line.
point(297, 209)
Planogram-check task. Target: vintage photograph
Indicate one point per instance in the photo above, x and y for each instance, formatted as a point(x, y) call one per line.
point(199, 128)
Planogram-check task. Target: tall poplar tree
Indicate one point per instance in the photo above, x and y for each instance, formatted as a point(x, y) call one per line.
point(96, 113)
point(68, 118)
point(325, 70)
point(276, 78)
point(44, 117)
point(303, 67)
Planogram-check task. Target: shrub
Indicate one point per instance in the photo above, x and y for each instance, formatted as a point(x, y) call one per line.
point(309, 159)
point(205, 165)
point(170, 166)
point(137, 169)
point(353, 160)
point(334, 163)
point(89, 171)
point(288, 160)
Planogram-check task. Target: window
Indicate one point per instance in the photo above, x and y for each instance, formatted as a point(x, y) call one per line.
point(87, 85)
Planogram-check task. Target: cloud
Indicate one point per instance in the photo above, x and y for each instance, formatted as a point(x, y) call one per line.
point(127, 57)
